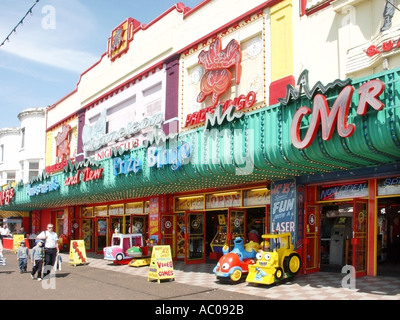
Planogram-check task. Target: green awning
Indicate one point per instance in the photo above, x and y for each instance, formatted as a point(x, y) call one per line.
point(255, 148)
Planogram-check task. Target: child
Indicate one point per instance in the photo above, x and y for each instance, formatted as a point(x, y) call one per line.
point(37, 257)
point(22, 257)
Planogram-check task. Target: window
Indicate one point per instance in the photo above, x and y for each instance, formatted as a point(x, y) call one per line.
point(151, 101)
point(121, 114)
point(33, 169)
point(23, 138)
point(154, 107)
point(10, 177)
point(2, 152)
point(312, 6)
point(22, 170)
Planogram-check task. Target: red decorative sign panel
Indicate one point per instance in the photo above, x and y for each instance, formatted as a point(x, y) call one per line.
point(385, 47)
point(217, 79)
point(6, 196)
point(121, 37)
point(63, 143)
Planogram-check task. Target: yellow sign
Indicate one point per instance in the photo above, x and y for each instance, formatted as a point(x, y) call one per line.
point(221, 219)
point(17, 239)
point(77, 252)
point(161, 266)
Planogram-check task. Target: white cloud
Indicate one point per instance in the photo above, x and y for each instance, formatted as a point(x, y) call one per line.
point(62, 47)
point(56, 56)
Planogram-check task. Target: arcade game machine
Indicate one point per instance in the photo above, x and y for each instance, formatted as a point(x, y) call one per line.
point(219, 239)
point(340, 236)
point(336, 234)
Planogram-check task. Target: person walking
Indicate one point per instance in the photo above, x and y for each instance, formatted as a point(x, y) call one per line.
point(37, 257)
point(51, 249)
point(4, 232)
point(22, 257)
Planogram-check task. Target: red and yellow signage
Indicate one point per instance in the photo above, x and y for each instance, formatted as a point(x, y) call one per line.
point(161, 266)
point(77, 252)
point(6, 196)
point(62, 142)
point(121, 36)
point(217, 79)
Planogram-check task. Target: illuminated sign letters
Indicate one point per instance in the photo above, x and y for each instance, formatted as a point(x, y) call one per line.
point(95, 136)
point(157, 156)
point(6, 196)
point(338, 114)
point(126, 165)
point(42, 188)
point(217, 79)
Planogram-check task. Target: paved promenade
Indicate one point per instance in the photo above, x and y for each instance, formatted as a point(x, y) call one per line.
point(316, 286)
point(102, 280)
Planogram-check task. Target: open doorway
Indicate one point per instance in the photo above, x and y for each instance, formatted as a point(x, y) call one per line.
point(256, 222)
point(336, 234)
point(388, 237)
point(216, 229)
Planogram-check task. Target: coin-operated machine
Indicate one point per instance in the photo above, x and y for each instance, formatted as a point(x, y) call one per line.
point(341, 231)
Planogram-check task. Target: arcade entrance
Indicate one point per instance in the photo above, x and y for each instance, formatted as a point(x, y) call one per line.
point(208, 232)
point(387, 252)
point(336, 235)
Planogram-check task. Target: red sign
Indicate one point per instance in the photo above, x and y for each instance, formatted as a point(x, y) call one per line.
point(217, 79)
point(6, 196)
point(369, 93)
point(240, 103)
point(57, 167)
point(63, 143)
point(386, 46)
point(87, 175)
point(121, 37)
point(154, 217)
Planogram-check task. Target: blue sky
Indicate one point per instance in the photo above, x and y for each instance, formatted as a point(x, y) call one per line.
point(42, 61)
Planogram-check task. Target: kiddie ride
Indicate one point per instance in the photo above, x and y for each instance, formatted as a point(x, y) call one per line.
point(128, 248)
point(234, 264)
point(276, 261)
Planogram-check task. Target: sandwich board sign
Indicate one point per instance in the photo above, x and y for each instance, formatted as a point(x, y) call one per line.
point(17, 239)
point(77, 252)
point(161, 266)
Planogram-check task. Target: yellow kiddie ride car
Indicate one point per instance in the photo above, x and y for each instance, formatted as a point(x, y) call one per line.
point(276, 261)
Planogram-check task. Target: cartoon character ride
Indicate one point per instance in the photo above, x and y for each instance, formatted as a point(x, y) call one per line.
point(276, 261)
point(234, 264)
point(120, 244)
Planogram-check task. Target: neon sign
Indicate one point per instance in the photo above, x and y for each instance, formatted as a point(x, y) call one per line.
point(126, 165)
point(241, 102)
point(62, 142)
point(338, 114)
point(42, 188)
point(385, 47)
point(6, 196)
point(157, 156)
point(95, 136)
point(217, 79)
point(87, 175)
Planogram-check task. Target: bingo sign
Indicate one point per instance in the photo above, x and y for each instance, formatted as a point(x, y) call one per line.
point(283, 207)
